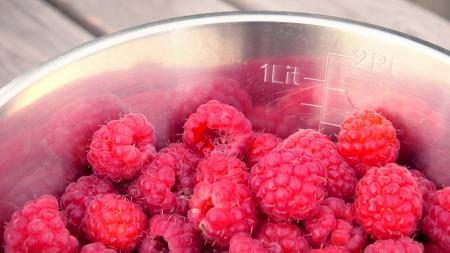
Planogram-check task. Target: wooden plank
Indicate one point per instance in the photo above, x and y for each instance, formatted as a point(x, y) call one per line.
point(106, 16)
point(399, 15)
point(31, 31)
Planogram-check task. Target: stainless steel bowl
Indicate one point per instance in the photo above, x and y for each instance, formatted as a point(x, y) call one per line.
point(284, 70)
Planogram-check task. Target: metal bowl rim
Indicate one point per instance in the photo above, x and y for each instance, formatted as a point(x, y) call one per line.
point(18, 84)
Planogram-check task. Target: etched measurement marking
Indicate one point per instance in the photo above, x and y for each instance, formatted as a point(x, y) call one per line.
point(374, 61)
point(281, 74)
point(312, 105)
point(335, 89)
point(325, 90)
point(360, 58)
point(313, 79)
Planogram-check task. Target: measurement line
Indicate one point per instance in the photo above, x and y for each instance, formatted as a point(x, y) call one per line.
point(313, 79)
point(340, 55)
point(313, 105)
point(325, 88)
point(335, 89)
point(330, 124)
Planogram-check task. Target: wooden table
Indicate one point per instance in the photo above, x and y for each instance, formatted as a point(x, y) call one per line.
point(32, 31)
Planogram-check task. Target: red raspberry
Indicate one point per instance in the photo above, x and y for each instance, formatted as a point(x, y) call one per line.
point(432, 247)
point(39, 227)
point(260, 145)
point(348, 237)
point(170, 233)
point(320, 226)
point(403, 244)
point(282, 237)
point(114, 221)
point(341, 209)
point(222, 209)
point(96, 247)
point(185, 168)
point(72, 126)
point(243, 243)
point(156, 183)
point(181, 201)
point(134, 194)
point(120, 148)
point(289, 184)
point(219, 166)
point(427, 188)
point(388, 202)
point(436, 223)
point(367, 139)
point(341, 178)
point(330, 249)
point(217, 126)
point(77, 196)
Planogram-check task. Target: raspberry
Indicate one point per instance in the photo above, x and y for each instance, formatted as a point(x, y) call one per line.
point(388, 202)
point(222, 209)
point(427, 188)
point(341, 209)
point(341, 178)
point(96, 247)
point(436, 223)
point(403, 244)
point(330, 249)
point(120, 148)
point(289, 184)
point(185, 168)
point(432, 247)
point(170, 233)
point(348, 237)
point(219, 166)
point(77, 196)
point(156, 183)
point(319, 226)
point(367, 139)
point(114, 221)
point(243, 243)
point(134, 194)
point(282, 237)
point(260, 145)
point(39, 227)
point(216, 126)
point(425, 185)
point(72, 126)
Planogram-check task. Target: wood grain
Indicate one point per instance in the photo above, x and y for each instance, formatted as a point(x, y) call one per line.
point(399, 15)
point(106, 16)
point(31, 32)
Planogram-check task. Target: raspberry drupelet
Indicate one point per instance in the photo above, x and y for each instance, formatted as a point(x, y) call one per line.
point(219, 166)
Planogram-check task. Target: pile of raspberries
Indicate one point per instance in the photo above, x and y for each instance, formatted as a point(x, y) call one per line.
point(225, 188)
